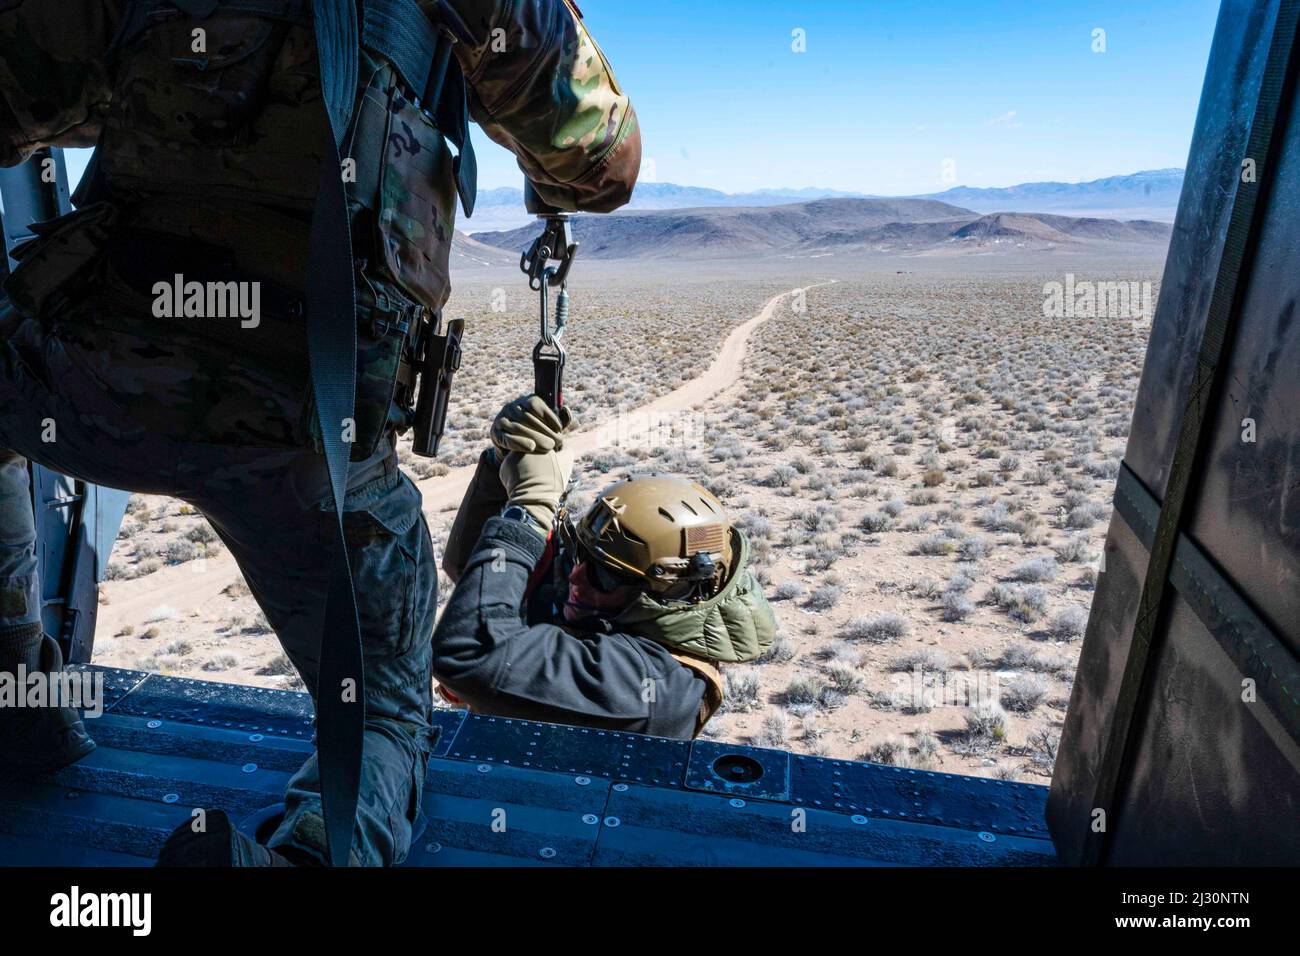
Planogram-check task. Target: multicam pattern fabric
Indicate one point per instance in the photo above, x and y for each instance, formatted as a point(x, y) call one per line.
point(54, 86)
point(541, 87)
point(235, 126)
point(220, 146)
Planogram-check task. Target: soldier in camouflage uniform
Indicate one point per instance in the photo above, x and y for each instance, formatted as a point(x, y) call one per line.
point(209, 164)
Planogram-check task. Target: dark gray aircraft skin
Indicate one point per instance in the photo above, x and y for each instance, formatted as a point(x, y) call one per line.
point(1182, 740)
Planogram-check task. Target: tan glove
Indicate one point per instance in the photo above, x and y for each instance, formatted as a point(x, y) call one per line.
point(528, 424)
point(535, 482)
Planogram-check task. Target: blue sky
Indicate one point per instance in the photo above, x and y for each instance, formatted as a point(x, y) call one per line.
point(886, 93)
point(1010, 90)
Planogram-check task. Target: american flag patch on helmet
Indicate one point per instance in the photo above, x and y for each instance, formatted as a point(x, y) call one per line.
point(704, 537)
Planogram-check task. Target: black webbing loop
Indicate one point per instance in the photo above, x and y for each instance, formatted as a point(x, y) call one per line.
point(331, 349)
point(1212, 360)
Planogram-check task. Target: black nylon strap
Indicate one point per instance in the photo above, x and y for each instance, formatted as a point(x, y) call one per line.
point(332, 351)
point(453, 120)
point(398, 31)
point(1214, 352)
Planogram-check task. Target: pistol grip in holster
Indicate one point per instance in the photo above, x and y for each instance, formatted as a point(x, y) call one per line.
point(440, 361)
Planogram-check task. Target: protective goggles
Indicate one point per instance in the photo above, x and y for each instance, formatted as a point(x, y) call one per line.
point(601, 576)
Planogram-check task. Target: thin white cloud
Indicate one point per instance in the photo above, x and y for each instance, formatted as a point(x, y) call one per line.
point(1007, 120)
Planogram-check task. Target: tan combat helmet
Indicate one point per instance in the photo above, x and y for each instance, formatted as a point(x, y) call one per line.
point(669, 535)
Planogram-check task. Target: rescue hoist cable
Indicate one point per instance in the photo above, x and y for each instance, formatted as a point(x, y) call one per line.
point(554, 244)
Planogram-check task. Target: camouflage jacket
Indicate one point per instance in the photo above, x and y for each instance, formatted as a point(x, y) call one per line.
point(221, 145)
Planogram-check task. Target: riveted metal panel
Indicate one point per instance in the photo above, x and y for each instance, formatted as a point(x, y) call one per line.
point(448, 724)
point(215, 744)
point(117, 682)
point(492, 814)
point(42, 851)
point(1174, 809)
point(578, 750)
point(68, 820)
point(240, 789)
point(653, 827)
point(942, 799)
point(559, 795)
point(232, 706)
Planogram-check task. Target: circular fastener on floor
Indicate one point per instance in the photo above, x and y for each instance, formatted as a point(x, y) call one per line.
point(986, 836)
point(171, 798)
point(582, 781)
point(736, 802)
point(620, 787)
point(612, 821)
point(254, 737)
point(737, 768)
point(590, 819)
point(154, 724)
point(249, 768)
point(858, 819)
point(433, 848)
point(484, 768)
point(546, 853)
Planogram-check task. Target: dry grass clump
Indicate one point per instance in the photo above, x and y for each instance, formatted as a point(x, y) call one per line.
point(278, 666)
point(891, 751)
point(1023, 693)
point(807, 691)
point(787, 591)
point(221, 661)
point(1035, 570)
point(877, 628)
point(743, 689)
point(1069, 624)
point(825, 597)
point(774, 731)
point(781, 651)
point(986, 729)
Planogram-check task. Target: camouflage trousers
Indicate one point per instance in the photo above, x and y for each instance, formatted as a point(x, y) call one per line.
point(271, 507)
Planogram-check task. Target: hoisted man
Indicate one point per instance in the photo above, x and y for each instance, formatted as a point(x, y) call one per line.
point(225, 150)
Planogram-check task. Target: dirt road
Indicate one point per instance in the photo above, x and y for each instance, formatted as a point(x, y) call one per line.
point(196, 586)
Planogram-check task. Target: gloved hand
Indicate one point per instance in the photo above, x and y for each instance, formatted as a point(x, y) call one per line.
point(529, 425)
point(535, 482)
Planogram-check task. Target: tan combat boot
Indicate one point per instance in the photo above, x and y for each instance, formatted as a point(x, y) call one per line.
point(218, 844)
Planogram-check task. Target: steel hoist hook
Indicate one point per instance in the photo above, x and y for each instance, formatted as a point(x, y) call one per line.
point(555, 244)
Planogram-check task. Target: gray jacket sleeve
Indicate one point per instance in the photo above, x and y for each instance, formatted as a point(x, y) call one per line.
point(489, 655)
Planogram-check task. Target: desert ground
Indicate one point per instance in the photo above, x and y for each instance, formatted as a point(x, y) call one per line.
point(921, 458)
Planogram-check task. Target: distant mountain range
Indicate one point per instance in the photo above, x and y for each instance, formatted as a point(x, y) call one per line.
point(1152, 194)
point(831, 226)
point(503, 207)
